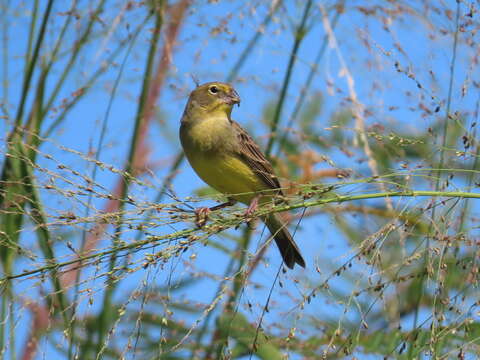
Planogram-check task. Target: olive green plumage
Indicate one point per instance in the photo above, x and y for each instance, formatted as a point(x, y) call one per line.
point(224, 156)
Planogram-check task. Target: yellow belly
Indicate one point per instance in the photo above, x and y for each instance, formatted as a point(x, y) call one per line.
point(227, 174)
point(209, 146)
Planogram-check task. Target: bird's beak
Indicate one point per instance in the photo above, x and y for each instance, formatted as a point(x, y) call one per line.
point(232, 98)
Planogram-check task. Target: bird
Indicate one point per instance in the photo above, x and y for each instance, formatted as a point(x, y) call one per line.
point(226, 157)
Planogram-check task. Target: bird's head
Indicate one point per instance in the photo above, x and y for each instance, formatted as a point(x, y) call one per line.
point(213, 98)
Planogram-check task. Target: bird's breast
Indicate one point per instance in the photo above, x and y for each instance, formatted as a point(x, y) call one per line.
point(208, 135)
point(210, 150)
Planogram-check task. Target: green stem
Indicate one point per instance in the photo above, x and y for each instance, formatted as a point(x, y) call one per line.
point(31, 34)
point(139, 123)
point(103, 130)
point(219, 337)
point(234, 221)
point(74, 55)
point(465, 209)
point(440, 166)
point(6, 299)
point(299, 36)
point(5, 27)
point(31, 64)
point(304, 92)
point(11, 323)
point(449, 96)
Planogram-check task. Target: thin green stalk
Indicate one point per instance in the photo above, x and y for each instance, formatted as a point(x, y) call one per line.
point(39, 217)
point(239, 279)
point(103, 131)
point(34, 121)
point(139, 122)
point(6, 313)
point(262, 315)
point(218, 341)
point(5, 102)
point(5, 26)
point(163, 190)
point(219, 225)
point(13, 198)
point(31, 64)
point(140, 118)
point(299, 36)
point(304, 91)
point(3, 317)
point(440, 164)
point(42, 111)
point(74, 56)
point(63, 31)
point(449, 96)
point(31, 35)
point(197, 343)
point(474, 167)
point(11, 323)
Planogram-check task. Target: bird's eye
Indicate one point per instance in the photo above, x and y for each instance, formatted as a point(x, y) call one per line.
point(213, 89)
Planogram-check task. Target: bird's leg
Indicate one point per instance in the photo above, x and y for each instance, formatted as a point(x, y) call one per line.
point(253, 206)
point(202, 213)
point(201, 216)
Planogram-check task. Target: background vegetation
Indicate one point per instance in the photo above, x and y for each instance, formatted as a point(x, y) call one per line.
point(369, 112)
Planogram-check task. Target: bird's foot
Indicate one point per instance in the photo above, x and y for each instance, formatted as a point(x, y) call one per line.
point(343, 173)
point(201, 216)
point(252, 207)
point(202, 213)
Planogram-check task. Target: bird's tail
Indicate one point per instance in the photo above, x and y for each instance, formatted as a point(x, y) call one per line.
point(289, 250)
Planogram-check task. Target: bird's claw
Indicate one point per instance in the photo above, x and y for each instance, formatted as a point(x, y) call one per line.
point(252, 207)
point(202, 213)
point(201, 216)
point(343, 173)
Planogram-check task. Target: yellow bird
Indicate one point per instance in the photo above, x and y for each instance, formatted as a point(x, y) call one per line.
point(224, 156)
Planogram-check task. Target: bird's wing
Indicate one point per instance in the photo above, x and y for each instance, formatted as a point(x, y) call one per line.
point(251, 154)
